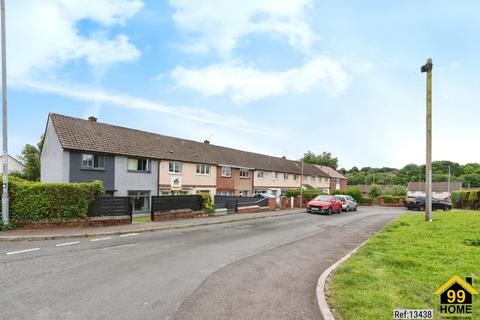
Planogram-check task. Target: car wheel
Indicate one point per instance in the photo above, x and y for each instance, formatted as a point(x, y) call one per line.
point(348, 209)
point(421, 208)
point(355, 209)
point(329, 211)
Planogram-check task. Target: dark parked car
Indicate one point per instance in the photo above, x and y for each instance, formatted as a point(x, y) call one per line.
point(418, 203)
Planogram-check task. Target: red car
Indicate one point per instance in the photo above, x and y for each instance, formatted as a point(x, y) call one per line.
point(324, 204)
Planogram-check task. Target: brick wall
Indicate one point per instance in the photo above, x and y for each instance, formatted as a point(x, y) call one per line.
point(225, 183)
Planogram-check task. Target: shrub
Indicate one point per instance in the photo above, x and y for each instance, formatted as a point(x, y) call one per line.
point(354, 192)
point(374, 191)
point(392, 199)
point(292, 193)
point(363, 200)
point(307, 194)
point(36, 202)
point(396, 191)
point(457, 199)
point(207, 203)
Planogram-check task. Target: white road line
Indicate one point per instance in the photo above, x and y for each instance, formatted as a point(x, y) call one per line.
point(21, 251)
point(67, 243)
point(101, 239)
point(129, 234)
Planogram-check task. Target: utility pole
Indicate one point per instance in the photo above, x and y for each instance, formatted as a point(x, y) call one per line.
point(5, 208)
point(301, 187)
point(449, 192)
point(427, 68)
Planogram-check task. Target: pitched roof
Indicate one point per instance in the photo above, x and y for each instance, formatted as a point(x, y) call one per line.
point(436, 186)
point(460, 281)
point(364, 188)
point(85, 135)
point(332, 173)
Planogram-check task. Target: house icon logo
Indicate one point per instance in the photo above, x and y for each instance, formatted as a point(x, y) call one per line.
point(456, 296)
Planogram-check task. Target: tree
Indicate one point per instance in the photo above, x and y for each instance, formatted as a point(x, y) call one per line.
point(30, 157)
point(324, 159)
point(374, 191)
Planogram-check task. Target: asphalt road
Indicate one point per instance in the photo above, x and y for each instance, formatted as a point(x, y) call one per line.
point(264, 269)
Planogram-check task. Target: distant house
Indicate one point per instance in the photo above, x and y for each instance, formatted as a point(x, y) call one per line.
point(439, 189)
point(337, 180)
point(13, 164)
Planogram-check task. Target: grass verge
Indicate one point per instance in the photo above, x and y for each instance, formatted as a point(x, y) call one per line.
point(142, 219)
point(403, 265)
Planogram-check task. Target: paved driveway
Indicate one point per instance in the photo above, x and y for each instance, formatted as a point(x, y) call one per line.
point(265, 269)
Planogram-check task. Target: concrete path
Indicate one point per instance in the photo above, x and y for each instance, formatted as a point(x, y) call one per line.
point(257, 269)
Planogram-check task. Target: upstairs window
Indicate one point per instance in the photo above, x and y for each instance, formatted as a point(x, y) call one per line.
point(93, 161)
point(138, 164)
point(203, 169)
point(244, 173)
point(285, 176)
point(260, 174)
point(175, 167)
point(274, 175)
point(226, 172)
point(295, 177)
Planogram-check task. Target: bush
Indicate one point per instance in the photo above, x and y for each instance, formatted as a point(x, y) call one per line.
point(207, 203)
point(36, 202)
point(308, 194)
point(457, 199)
point(354, 192)
point(363, 200)
point(374, 191)
point(466, 199)
point(396, 191)
point(392, 199)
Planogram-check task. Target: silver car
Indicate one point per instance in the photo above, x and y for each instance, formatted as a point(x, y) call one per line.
point(348, 203)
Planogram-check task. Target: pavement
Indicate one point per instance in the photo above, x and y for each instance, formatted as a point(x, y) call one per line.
point(251, 269)
point(136, 227)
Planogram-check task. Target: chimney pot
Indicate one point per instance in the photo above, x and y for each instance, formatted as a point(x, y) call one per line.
point(92, 118)
point(206, 142)
point(283, 157)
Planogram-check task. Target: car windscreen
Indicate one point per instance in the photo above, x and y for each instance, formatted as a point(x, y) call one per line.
point(322, 198)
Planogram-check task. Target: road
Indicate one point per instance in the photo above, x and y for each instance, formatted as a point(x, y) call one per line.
point(263, 269)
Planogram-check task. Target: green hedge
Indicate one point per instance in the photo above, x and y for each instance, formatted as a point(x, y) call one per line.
point(36, 202)
point(365, 200)
point(392, 199)
point(354, 192)
point(469, 199)
point(308, 194)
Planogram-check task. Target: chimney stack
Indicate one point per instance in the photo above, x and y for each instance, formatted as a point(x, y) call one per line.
point(283, 157)
point(206, 142)
point(92, 118)
point(469, 280)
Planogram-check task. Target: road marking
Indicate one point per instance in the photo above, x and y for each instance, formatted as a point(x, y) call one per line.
point(67, 243)
point(129, 234)
point(121, 246)
point(101, 239)
point(21, 251)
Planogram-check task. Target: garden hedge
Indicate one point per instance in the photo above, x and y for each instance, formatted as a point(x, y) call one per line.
point(308, 194)
point(391, 199)
point(354, 192)
point(469, 199)
point(37, 202)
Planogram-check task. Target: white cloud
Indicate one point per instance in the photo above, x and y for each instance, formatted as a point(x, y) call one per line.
point(245, 84)
point(44, 35)
point(197, 115)
point(220, 24)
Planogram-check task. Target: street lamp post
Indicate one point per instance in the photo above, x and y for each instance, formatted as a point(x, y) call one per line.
point(5, 208)
point(427, 68)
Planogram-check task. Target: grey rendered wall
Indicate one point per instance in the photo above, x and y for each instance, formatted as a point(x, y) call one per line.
point(135, 181)
point(77, 174)
point(54, 161)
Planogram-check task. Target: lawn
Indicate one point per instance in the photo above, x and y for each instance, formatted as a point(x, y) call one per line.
point(142, 219)
point(403, 265)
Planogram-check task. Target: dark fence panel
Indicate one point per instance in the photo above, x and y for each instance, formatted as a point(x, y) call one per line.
point(234, 202)
point(167, 203)
point(110, 206)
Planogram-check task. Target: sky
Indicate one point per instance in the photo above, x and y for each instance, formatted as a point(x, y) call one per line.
point(268, 76)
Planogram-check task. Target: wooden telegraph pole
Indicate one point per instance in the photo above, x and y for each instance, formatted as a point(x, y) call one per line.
point(427, 68)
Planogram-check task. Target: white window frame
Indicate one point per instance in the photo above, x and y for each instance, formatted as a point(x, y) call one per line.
point(274, 175)
point(226, 174)
point(244, 173)
point(285, 176)
point(176, 165)
point(226, 193)
point(203, 169)
point(295, 177)
point(89, 164)
point(260, 174)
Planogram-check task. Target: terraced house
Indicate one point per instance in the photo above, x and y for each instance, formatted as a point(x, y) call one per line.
point(141, 164)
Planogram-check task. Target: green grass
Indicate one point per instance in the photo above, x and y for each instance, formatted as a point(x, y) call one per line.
point(403, 265)
point(141, 219)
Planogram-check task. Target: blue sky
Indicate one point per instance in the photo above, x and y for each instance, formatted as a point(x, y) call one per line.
point(273, 77)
